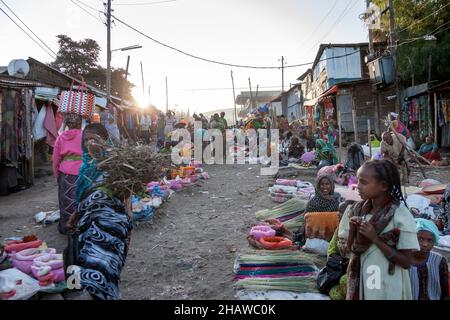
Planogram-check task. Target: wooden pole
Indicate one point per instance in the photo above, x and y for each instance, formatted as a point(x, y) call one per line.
point(167, 97)
point(435, 116)
point(340, 135)
point(368, 138)
point(108, 51)
point(142, 76)
point(355, 128)
point(251, 94)
point(234, 97)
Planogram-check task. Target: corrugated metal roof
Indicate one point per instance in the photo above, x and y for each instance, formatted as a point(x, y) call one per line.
point(17, 82)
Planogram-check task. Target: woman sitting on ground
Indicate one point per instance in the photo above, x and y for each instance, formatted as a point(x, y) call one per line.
point(296, 149)
point(325, 199)
point(429, 150)
point(101, 227)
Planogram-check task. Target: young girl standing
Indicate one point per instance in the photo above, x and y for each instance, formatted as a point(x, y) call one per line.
point(381, 235)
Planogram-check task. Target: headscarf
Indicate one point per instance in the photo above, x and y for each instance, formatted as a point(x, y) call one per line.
point(321, 202)
point(72, 120)
point(430, 226)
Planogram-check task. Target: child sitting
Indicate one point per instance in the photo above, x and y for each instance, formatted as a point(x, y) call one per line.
point(429, 270)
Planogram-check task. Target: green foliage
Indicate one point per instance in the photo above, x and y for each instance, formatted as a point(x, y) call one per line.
point(415, 19)
point(80, 59)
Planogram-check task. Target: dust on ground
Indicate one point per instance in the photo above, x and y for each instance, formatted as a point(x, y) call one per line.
point(188, 251)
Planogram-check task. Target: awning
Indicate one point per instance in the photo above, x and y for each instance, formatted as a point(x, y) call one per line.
point(328, 92)
point(310, 103)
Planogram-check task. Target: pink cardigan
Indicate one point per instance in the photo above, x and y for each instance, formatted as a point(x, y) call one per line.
point(68, 144)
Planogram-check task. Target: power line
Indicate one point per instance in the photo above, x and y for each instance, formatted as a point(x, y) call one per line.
point(421, 37)
point(217, 89)
point(142, 3)
point(320, 23)
point(28, 27)
point(53, 57)
point(219, 62)
point(96, 18)
point(338, 20)
point(417, 21)
point(90, 7)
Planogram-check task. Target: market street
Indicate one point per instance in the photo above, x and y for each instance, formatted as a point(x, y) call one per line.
point(189, 249)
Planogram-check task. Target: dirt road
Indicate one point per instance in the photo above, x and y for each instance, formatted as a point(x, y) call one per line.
point(188, 251)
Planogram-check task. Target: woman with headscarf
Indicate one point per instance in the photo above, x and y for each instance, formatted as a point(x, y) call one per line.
point(325, 153)
point(101, 227)
point(429, 150)
point(66, 164)
point(324, 199)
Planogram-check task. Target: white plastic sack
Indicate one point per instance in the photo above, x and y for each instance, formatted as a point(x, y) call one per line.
point(39, 131)
point(418, 202)
point(28, 286)
point(318, 246)
point(444, 241)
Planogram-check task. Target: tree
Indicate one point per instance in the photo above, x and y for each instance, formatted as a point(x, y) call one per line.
point(80, 59)
point(422, 29)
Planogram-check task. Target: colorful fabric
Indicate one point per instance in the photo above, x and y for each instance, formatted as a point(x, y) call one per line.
point(67, 191)
point(104, 231)
point(429, 281)
point(427, 147)
point(88, 173)
point(50, 126)
point(8, 129)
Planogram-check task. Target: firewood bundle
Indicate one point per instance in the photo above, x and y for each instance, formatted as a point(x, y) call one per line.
point(129, 168)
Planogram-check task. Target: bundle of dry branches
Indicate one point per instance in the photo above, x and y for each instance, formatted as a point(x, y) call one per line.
point(129, 168)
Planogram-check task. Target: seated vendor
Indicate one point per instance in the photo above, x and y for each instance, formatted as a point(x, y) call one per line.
point(296, 149)
point(429, 150)
point(374, 141)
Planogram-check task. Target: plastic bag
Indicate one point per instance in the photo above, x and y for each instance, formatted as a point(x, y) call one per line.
point(318, 246)
point(330, 275)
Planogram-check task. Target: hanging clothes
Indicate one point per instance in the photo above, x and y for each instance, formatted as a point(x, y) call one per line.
point(50, 125)
point(441, 117)
point(414, 114)
point(8, 130)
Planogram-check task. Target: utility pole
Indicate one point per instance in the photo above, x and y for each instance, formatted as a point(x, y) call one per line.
point(375, 92)
point(370, 32)
point(167, 97)
point(251, 94)
point(234, 97)
point(282, 74)
point(142, 76)
point(108, 57)
point(393, 49)
point(128, 65)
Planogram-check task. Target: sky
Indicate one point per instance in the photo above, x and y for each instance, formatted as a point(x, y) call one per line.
point(242, 32)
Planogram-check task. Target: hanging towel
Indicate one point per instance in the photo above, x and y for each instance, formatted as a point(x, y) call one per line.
point(50, 126)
